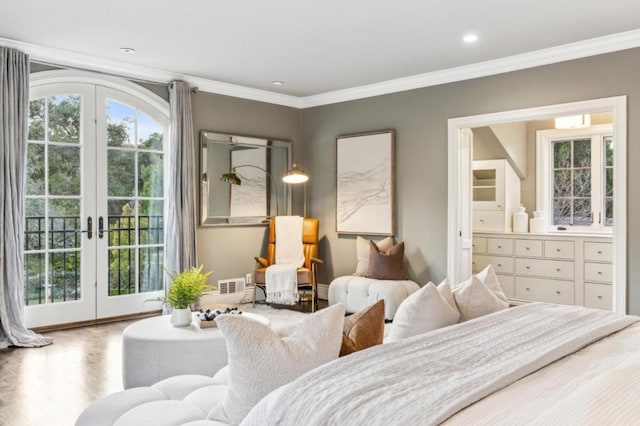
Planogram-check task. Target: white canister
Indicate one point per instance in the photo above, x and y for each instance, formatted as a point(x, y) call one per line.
point(538, 225)
point(520, 220)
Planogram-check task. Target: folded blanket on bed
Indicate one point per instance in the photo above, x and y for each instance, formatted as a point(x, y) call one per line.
point(427, 378)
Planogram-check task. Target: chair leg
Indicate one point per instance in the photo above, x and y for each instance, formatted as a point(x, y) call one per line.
point(254, 294)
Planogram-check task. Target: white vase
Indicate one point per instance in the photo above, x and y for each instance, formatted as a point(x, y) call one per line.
point(181, 317)
point(520, 220)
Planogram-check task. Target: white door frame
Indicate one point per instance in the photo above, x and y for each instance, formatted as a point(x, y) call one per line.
point(458, 166)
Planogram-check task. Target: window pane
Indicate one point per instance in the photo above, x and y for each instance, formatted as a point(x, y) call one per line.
point(150, 175)
point(64, 272)
point(121, 173)
point(64, 221)
point(561, 211)
point(562, 154)
point(608, 146)
point(609, 182)
point(149, 132)
point(64, 170)
point(582, 153)
point(35, 278)
point(35, 169)
point(608, 220)
point(34, 224)
point(582, 212)
point(562, 183)
point(122, 223)
point(122, 271)
point(36, 120)
point(150, 265)
point(120, 124)
point(151, 222)
point(582, 183)
point(64, 118)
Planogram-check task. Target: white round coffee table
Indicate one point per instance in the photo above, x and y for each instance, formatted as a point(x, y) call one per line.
point(153, 349)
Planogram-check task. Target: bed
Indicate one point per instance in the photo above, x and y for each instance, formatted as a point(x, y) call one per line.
point(533, 364)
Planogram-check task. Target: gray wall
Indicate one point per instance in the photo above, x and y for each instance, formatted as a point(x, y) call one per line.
point(420, 120)
point(229, 251)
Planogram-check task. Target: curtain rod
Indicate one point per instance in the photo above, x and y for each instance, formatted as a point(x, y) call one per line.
point(134, 79)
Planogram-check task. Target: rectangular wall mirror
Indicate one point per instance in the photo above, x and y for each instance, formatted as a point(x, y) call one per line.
point(241, 179)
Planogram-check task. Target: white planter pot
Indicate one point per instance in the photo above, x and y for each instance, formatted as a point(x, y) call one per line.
point(181, 317)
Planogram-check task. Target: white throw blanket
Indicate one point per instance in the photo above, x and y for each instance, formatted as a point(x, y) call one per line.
point(427, 378)
point(281, 279)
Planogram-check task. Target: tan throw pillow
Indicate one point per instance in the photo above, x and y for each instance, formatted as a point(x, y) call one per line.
point(387, 265)
point(363, 251)
point(363, 329)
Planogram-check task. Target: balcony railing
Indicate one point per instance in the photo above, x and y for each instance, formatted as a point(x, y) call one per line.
point(135, 247)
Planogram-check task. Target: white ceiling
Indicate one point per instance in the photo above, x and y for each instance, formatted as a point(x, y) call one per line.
point(313, 46)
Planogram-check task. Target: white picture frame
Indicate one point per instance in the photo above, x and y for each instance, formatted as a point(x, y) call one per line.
point(365, 183)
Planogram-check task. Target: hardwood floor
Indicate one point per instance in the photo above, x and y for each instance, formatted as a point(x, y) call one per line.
point(53, 384)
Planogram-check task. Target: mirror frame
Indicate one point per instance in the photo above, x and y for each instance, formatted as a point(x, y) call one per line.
point(212, 136)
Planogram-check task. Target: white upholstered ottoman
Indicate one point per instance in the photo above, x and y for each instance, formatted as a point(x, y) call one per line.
point(153, 349)
point(356, 293)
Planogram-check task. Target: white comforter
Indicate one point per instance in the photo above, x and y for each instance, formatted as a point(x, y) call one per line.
point(428, 378)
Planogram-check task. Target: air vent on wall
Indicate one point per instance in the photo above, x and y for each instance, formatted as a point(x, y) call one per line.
point(233, 285)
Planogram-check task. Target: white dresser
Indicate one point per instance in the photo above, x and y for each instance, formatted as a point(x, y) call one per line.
point(571, 269)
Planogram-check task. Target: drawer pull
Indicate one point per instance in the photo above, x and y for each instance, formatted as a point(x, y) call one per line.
point(599, 297)
point(528, 289)
point(558, 250)
point(526, 248)
point(499, 246)
point(599, 272)
point(499, 206)
point(500, 265)
point(557, 291)
point(482, 220)
point(527, 267)
point(599, 251)
point(558, 269)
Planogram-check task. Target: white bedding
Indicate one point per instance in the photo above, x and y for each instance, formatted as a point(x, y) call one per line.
point(428, 378)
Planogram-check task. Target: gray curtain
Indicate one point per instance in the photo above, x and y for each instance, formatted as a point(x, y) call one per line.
point(14, 116)
point(180, 217)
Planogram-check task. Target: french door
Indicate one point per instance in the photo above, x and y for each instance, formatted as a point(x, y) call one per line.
point(94, 229)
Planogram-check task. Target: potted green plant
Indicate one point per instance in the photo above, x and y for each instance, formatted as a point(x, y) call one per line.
point(186, 288)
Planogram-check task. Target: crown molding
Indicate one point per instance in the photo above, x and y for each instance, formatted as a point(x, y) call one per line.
point(83, 62)
point(566, 52)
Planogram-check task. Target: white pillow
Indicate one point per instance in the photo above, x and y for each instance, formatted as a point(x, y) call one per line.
point(475, 299)
point(424, 310)
point(261, 359)
point(363, 251)
point(490, 279)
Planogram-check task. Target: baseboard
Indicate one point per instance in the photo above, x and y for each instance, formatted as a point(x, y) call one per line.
point(323, 291)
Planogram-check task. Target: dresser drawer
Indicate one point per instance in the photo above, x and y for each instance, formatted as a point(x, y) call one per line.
point(558, 249)
point(602, 272)
point(543, 290)
point(479, 245)
point(508, 284)
point(500, 264)
point(500, 246)
point(545, 268)
point(529, 248)
point(488, 220)
point(602, 252)
point(598, 296)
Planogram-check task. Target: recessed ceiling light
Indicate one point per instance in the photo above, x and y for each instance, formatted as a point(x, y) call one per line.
point(470, 38)
point(127, 50)
point(277, 83)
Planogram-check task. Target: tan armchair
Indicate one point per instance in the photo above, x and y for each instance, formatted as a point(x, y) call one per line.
point(307, 273)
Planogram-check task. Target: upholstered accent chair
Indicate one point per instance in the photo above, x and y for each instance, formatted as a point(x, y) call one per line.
point(307, 277)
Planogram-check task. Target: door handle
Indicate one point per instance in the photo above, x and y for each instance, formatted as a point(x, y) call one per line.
point(101, 230)
point(89, 230)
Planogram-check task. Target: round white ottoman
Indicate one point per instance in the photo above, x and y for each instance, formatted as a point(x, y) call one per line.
point(356, 293)
point(153, 349)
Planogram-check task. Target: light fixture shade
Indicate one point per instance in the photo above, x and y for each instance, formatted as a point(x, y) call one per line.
point(231, 178)
point(573, 121)
point(295, 175)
